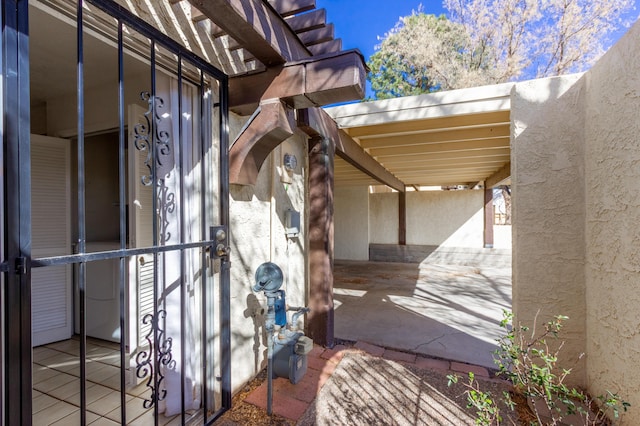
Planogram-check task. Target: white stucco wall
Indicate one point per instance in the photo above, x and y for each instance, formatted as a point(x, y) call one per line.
point(436, 218)
point(446, 218)
point(612, 222)
point(383, 218)
point(257, 235)
point(351, 223)
point(576, 209)
point(548, 208)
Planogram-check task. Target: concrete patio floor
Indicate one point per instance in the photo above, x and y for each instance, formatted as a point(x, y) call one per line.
point(445, 311)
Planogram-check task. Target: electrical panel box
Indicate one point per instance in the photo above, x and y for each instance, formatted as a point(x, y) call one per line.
point(292, 223)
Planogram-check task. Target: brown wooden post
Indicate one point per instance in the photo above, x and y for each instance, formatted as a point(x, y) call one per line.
point(488, 218)
point(402, 218)
point(321, 318)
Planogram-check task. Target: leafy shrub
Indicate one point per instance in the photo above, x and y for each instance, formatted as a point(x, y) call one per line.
point(526, 357)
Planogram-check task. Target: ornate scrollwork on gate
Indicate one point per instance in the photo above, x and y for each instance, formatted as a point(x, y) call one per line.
point(157, 356)
point(150, 137)
point(167, 205)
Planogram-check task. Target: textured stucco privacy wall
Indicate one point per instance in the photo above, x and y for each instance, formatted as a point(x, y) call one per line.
point(613, 222)
point(258, 235)
point(548, 208)
point(351, 223)
point(383, 218)
point(434, 218)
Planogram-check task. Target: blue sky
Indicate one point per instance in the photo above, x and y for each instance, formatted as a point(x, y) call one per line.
point(359, 22)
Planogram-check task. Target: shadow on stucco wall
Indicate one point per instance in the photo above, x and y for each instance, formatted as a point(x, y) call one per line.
point(548, 209)
point(255, 311)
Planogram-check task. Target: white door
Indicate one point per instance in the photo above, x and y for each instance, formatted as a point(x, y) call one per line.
point(141, 269)
point(51, 236)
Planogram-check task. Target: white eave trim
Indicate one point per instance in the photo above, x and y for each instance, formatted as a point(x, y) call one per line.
point(432, 105)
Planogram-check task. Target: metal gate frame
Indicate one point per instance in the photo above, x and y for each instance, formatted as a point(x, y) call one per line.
point(15, 210)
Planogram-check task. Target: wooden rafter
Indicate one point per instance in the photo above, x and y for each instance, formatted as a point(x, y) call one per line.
point(316, 122)
point(292, 7)
point(319, 35)
point(257, 27)
point(353, 153)
point(307, 21)
point(326, 47)
point(499, 176)
point(438, 137)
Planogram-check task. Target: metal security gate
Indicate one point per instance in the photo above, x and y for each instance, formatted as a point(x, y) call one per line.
point(115, 267)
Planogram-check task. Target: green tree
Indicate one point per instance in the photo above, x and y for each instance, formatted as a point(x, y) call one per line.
point(541, 38)
point(493, 41)
point(426, 53)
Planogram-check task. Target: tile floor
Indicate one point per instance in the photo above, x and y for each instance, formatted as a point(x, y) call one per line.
point(56, 387)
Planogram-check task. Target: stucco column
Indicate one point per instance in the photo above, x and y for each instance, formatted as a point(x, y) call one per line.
point(321, 318)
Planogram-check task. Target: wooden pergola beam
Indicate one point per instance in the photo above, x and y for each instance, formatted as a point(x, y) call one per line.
point(303, 84)
point(292, 7)
point(350, 151)
point(307, 21)
point(441, 136)
point(498, 176)
point(316, 122)
point(257, 27)
point(317, 36)
point(327, 47)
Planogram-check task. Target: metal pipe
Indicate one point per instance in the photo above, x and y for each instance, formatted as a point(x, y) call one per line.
point(269, 323)
point(294, 317)
point(270, 372)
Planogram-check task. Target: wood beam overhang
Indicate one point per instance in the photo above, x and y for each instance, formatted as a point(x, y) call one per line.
point(258, 27)
point(319, 35)
point(318, 81)
point(316, 122)
point(442, 136)
point(308, 21)
point(271, 124)
point(498, 176)
point(327, 47)
point(350, 151)
point(292, 7)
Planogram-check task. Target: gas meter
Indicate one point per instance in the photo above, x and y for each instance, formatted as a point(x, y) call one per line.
point(287, 347)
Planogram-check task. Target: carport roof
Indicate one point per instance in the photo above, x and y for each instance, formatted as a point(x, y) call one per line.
point(457, 137)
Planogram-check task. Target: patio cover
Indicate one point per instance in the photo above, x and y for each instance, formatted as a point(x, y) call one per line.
point(458, 137)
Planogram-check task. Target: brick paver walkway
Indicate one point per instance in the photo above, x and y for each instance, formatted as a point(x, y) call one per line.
point(291, 401)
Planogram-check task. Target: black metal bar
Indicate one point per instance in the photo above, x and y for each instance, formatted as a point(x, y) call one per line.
point(225, 296)
point(19, 112)
point(203, 257)
point(17, 220)
point(183, 352)
point(113, 254)
point(154, 208)
point(82, 278)
point(122, 198)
